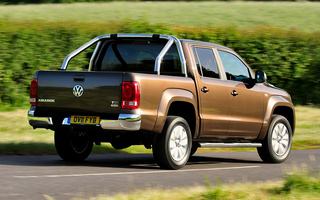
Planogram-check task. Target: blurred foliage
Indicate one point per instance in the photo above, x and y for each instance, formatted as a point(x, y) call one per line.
point(291, 58)
point(300, 182)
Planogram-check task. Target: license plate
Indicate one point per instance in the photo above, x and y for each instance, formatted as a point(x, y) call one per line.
point(88, 120)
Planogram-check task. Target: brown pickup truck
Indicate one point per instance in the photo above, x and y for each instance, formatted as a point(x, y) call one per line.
point(168, 94)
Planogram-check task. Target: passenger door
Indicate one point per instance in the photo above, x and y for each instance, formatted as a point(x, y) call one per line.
point(213, 94)
point(246, 98)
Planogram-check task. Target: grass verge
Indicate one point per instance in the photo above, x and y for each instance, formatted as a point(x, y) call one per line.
point(301, 185)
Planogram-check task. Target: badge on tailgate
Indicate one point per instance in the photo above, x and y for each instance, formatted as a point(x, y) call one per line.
point(88, 120)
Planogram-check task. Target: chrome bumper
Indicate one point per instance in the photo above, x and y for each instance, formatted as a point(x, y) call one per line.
point(128, 122)
point(39, 122)
point(125, 122)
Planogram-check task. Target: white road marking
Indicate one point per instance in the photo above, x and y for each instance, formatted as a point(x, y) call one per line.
point(135, 173)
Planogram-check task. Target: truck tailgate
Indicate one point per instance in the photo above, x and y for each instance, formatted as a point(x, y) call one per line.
point(71, 92)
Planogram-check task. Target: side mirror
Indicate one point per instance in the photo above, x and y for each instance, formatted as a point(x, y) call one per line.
point(261, 77)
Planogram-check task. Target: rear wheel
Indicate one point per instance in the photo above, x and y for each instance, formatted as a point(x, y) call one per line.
point(72, 147)
point(172, 147)
point(277, 145)
point(194, 148)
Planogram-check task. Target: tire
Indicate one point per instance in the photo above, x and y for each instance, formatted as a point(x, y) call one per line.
point(277, 144)
point(72, 147)
point(194, 148)
point(172, 147)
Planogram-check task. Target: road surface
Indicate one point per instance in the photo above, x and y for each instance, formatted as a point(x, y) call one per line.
point(40, 177)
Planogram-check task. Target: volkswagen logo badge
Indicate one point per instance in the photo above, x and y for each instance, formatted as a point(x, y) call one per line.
point(78, 90)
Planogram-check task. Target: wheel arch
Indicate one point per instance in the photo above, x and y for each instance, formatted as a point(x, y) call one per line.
point(280, 106)
point(186, 111)
point(288, 113)
point(178, 102)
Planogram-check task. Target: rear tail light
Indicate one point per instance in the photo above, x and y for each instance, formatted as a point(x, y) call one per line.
point(33, 92)
point(130, 95)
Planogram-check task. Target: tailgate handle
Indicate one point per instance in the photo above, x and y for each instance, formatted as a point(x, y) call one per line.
point(78, 78)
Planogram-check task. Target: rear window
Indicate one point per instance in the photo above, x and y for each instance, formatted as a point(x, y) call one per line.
point(137, 56)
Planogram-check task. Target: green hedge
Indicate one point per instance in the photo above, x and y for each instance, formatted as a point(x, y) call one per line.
point(290, 58)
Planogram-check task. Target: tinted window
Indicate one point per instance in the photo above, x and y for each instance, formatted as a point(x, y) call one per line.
point(138, 56)
point(235, 69)
point(133, 57)
point(171, 64)
point(206, 63)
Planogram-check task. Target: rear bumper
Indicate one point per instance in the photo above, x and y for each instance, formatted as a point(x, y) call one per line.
point(39, 122)
point(129, 122)
point(125, 122)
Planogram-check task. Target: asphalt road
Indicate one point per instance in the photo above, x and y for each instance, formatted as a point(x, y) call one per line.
point(45, 177)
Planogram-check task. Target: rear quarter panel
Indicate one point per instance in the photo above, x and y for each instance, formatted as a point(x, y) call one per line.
point(157, 92)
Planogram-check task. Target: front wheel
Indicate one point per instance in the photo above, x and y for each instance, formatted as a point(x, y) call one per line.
point(277, 145)
point(72, 147)
point(172, 147)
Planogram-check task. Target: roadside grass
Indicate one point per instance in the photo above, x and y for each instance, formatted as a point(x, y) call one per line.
point(298, 185)
point(285, 15)
point(18, 137)
point(307, 128)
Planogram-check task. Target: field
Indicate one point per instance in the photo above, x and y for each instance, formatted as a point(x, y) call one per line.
point(286, 15)
point(18, 137)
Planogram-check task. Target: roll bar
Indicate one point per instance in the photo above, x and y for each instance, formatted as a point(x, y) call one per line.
point(171, 40)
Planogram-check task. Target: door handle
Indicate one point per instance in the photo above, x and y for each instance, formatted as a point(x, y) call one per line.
point(204, 89)
point(234, 93)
